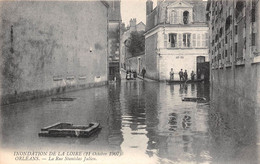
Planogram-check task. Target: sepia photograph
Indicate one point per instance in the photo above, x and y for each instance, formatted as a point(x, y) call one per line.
point(129, 82)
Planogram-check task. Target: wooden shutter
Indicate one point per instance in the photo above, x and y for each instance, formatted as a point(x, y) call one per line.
point(179, 40)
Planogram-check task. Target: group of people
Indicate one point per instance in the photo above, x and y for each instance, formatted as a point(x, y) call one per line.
point(183, 75)
point(131, 74)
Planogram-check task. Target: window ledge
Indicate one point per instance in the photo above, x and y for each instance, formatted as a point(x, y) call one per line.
point(177, 48)
point(221, 66)
point(82, 77)
point(228, 65)
point(240, 62)
point(55, 78)
point(256, 60)
point(70, 78)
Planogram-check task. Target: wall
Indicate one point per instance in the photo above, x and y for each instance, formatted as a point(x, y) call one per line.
point(151, 57)
point(51, 47)
point(177, 62)
point(236, 72)
point(136, 63)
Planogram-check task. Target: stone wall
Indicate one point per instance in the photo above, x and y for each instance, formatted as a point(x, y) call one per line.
point(51, 47)
point(151, 57)
point(136, 63)
point(241, 81)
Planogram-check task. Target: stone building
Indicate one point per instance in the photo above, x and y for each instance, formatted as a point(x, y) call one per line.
point(235, 49)
point(114, 34)
point(51, 47)
point(176, 37)
point(126, 57)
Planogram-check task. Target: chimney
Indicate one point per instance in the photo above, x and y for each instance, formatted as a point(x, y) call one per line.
point(133, 24)
point(149, 7)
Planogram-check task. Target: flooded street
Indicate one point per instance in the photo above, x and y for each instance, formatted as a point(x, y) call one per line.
point(145, 121)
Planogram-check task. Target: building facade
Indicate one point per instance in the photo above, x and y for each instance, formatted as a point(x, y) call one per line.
point(114, 34)
point(46, 49)
point(127, 61)
point(235, 49)
point(176, 37)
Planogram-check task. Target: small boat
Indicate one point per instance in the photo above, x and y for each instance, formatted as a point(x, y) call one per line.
point(62, 99)
point(188, 81)
point(194, 99)
point(69, 130)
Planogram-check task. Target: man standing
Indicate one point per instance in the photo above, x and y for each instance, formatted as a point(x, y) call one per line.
point(192, 76)
point(171, 75)
point(181, 75)
point(143, 72)
point(185, 75)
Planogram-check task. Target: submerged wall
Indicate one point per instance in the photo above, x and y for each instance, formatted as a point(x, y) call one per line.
point(51, 47)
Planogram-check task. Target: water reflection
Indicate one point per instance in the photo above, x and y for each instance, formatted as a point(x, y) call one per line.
point(144, 119)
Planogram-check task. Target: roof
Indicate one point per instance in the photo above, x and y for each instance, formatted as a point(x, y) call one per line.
point(105, 3)
point(141, 23)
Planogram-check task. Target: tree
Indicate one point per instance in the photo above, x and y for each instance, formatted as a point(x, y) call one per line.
point(137, 43)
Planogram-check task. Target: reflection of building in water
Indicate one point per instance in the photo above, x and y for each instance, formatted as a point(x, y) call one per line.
point(115, 137)
point(151, 99)
point(174, 136)
point(235, 66)
point(233, 128)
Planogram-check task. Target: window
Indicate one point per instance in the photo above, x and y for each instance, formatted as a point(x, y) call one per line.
point(193, 40)
point(198, 40)
point(253, 15)
point(173, 40)
point(239, 7)
point(185, 17)
point(236, 29)
point(236, 49)
point(207, 39)
point(200, 59)
point(253, 39)
point(173, 17)
point(179, 40)
point(203, 40)
point(186, 40)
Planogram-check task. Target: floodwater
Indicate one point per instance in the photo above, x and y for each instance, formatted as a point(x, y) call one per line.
point(145, 122)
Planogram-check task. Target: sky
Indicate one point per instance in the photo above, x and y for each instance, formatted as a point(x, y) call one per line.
point(134, 9)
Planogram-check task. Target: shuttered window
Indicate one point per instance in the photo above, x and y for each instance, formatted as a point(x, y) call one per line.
point(198, 40)
point(179, 40)
point(193, 40)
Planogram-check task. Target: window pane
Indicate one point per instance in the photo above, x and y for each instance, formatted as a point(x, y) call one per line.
point(184, 40)
point(188, 40)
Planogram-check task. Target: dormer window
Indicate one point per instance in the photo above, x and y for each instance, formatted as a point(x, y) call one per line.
point(179, 13)
point(185, 17)
point(173, 17)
